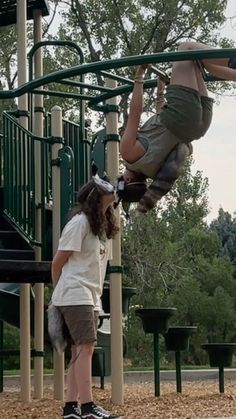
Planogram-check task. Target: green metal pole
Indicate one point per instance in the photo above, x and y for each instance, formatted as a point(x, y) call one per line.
point(1, 358)
point(156, 364)
point(178, 371)
point(221, 380)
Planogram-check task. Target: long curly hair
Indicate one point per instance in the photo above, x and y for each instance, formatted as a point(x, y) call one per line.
point(90, 203)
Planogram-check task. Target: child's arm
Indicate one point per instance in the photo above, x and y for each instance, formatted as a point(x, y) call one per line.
point(160, 95)
point(128, 141)
point(58, 262)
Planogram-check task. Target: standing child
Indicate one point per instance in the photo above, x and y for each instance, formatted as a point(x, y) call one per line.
point(78, 271)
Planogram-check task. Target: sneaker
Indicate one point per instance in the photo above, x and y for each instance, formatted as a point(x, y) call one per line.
point(71, 412)
point(97, 412)
point(165, 177)
point(105, 412)
point(232, 62)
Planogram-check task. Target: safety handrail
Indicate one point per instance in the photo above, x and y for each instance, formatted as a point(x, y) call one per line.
point(20, 202)
point(78, 50)
point(1, 159)
point(78, 140)
point(18, 169)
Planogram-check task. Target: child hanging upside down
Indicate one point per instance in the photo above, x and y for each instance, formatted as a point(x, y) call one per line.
point(159, 148)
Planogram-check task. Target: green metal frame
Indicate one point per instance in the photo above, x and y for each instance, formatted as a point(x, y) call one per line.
point(66, 157)
point(72, 138)
point(82, 174)
point(1, 160)
point(98, 150)
point(19, 177)
point(128, 61)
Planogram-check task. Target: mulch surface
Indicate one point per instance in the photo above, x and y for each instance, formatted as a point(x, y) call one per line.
point(198, 400)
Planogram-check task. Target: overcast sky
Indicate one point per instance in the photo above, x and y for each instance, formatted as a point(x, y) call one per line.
point(215, 154)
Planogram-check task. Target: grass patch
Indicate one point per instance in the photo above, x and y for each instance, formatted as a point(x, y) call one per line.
point(17, 372)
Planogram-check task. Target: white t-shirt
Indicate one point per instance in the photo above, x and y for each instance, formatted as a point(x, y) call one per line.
point(82, 276)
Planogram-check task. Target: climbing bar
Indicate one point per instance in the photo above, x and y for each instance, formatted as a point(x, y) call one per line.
point(115, 77)
point(95, 67)
point(85, 85)
point(69, 95)
point(118, 91)
point(161, 74)
point(38, 45)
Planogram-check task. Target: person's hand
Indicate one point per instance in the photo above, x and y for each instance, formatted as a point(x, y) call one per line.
point(160, 86)
point(141, 71)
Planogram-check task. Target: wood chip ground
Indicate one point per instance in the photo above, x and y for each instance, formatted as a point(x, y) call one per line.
point(198, 400)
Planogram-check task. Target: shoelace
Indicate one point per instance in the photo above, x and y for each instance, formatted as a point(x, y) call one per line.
point(77, 410)
point(101, 412)
point(105, 412)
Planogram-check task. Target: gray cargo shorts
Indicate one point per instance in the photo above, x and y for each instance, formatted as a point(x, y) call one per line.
point(82, 323)
point(187, 114)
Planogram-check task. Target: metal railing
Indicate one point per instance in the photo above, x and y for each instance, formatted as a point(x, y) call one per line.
point(20, 203)
point(18, 174)
point(78, 140)
point(1, 160)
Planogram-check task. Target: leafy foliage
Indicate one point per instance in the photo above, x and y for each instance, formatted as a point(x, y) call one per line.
point(174, 259)
point(110, 29)
point(225, 227)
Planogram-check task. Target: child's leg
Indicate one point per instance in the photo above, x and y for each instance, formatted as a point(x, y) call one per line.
point(218, 67)
point(190, 45)
point(187, 73)
point(79, 378)
point(184, 73)
point(72, 379)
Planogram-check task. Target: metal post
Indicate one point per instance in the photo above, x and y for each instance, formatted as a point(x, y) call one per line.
point(221, 380)
point(56, 231)
point(1, 358)
point(39, 288)
point(25, 288)
point(178, 371)
point(115, 278)
point(156, 364)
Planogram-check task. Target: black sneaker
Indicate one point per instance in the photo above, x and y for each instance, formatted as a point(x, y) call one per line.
point(232, 62)
point(97, 412)
point(105, 412)
point(71, 412)
point(165, 177)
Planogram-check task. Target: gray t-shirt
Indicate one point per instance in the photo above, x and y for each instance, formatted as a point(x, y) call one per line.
point(158, 142)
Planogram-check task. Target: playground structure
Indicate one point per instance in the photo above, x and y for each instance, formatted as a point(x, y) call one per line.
point(52, 159)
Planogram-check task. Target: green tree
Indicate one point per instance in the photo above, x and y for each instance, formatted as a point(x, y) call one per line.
point(174, 259)
point(155, 257)
point(225, 227)
point(8, 55)
point(108, 28)
point(220, 316)
point(7, 64)
point(187, 204)
point(11, 341)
